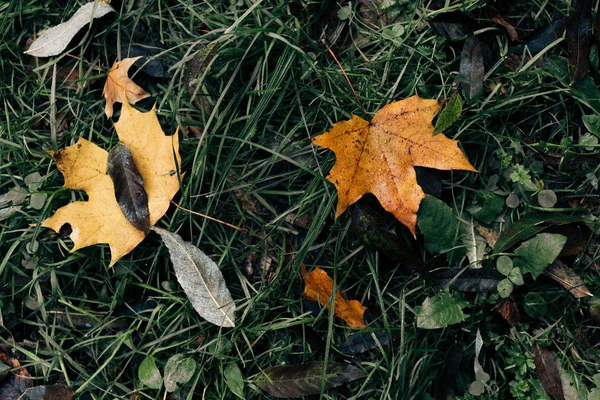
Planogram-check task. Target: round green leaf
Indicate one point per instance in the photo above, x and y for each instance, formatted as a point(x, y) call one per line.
point(504, 265)
point(149, 374)
point(516, 277)
point(535, 305)
point(505, 287)
point(547, 198)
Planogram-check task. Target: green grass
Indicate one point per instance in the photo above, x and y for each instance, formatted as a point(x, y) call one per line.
point(255, 81)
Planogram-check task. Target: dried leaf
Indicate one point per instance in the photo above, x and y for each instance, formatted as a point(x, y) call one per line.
point(178, 370)
point(474, 243)
point(129, 187)
point(201, 280)
point(447, 376)
point(579, 39)
point(568, 279)
point(319, 288)
point(378, 157)
point(118, 86)
point(84, 166)
point(49, 392)
point(470, 280)
point(547, 372)
point(509, 310)
point(472, 69)
point(54, 40)
point(500, 19)
point(306, 379)
point(358, 343)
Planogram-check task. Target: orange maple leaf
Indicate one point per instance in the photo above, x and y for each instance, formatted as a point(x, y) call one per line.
point(319, 287)
point(118, 85)
point(378, 157)
point(84, 166)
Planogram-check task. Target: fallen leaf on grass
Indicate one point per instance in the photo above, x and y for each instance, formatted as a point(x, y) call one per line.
point(378, 156)
point(579, 39)
point(49, 392)
point(84, 166)
point(119, 85)
point(568, 279)
point(319, 288)
point(306, 379)
point(440, 311)
point(500, 19)
point(358, 343)
point(201, 280)
point(547, 372)
point(54, 40)
point(472, 69)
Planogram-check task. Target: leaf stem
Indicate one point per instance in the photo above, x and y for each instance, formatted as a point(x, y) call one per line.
point(208, 217)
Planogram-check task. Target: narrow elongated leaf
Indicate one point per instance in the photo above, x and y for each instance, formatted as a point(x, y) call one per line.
point(547, 372)
point(568, 279)
point(201, 280)
point(472, 68)
point(450, 113)
point(305, 379)
point(54, 40)
point(129, 187)
point(579, 39)
point(358, 343)
point(440, 311)
point(471, 280)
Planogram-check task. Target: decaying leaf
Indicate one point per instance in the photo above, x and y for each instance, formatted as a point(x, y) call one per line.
point(579, 38)
point(471, 280)
point(119, 85)
point(547, 372)
point(84, 166)
point(446, 378)
point(361, 342)
point(49, 392)
point(568, 279)
point(319, 288)
point(54, 40)
point(509, 310)
point(178, 370)
point(305, 379)
point(201, 280)
point(472, 68)
point(129, 187)
point(378, 157)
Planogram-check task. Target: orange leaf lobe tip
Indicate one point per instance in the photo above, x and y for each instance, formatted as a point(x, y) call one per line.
point(379, 157)
point(319, 288)
point(120, 87)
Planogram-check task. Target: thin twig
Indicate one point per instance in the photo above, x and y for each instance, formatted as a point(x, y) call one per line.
point(347, 79)
point(207, 217)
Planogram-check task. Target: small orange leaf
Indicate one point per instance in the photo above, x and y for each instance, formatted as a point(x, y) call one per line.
point(117, 83)
point(319, 288)
point(378, 157)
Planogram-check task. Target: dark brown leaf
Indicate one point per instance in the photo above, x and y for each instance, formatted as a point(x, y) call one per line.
point(500, 19)
point(305, 379)
point(568, 279)
point(509, 310)
point(547, 372)
point(472, 69)
point(129, 187)
point(361, 342)
point(579, 39)
point(444, 387)
point(470, 280)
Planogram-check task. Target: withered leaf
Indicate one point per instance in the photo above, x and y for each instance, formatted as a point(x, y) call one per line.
point(119, 86)
point(472, 68)
point(446, 378)
point(509, 310)
point(579, 39)
point(129, 187)
point(358, 343)
point(568, 279)
point(319, 287)
point(49, 392)
point(305, 379)
point(471, 280)
point(547, 372)
point(379, 157)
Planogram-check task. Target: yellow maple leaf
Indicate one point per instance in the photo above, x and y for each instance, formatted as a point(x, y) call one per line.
point(319, 287)
point(118, 85)
point(84, 166)
point(378, 157)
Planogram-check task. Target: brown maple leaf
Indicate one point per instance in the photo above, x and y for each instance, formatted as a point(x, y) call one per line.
point(118, 84)
point(84, 166)
point(378, 157)
point(319, 287)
